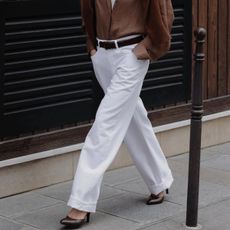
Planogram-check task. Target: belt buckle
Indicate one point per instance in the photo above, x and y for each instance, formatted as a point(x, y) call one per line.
point(107, 44)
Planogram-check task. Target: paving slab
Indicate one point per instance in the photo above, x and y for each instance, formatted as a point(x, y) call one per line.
point(215, 176)
point(7, 224)
point(213, 217)
point(222, 163)
point(135, 186)
point(58, 191)
point(121, 203)
point(62, 191)
point(132, 207)
point(207, 153)
point(24, 203)
point(204, 155)
point(209, 192)
point(48, 219)
point(209, 174)
point(180, 167)
point(121, 175)
point(220, 148)
point(164, 225)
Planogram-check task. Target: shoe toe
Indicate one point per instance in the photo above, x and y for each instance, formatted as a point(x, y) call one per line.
point(66, 220)
point(153, 199)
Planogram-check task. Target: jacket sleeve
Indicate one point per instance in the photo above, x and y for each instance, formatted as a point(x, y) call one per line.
point(89, 23)
point(159, 22)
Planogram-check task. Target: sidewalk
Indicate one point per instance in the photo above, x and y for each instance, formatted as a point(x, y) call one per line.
point(122, 200)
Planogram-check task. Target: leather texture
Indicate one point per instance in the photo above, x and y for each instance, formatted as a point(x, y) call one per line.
point(152, 18)
point(111, 45)
point(75, 223)
point(154, 199)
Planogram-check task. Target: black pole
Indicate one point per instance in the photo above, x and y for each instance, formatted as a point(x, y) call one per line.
point(195, 133)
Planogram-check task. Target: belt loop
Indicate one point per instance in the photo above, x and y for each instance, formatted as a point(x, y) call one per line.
point(98, 42)
point(116, 44)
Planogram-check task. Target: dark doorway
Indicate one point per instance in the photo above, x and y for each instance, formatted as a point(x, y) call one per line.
point(47, 78)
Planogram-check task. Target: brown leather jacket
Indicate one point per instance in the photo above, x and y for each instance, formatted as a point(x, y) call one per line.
point(153, 18)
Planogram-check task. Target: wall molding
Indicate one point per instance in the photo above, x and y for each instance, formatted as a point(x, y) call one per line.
point(78, 147)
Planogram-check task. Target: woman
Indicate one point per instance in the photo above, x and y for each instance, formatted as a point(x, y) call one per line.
point(123, 37)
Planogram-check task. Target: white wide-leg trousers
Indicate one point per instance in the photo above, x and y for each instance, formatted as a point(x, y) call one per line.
point(121, 116)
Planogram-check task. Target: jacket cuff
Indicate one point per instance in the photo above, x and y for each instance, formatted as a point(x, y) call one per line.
point(90, 46)
point(140, 50)
point(148, 50)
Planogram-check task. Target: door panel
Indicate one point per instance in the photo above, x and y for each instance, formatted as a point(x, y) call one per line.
point(47, 78)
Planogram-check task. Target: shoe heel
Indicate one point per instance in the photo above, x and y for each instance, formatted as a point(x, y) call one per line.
point(167, 191)
point(88, 217)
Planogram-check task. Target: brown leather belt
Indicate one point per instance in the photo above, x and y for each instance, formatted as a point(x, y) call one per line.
point(112, 44)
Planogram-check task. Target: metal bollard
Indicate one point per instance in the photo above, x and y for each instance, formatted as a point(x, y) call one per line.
point(195, 134)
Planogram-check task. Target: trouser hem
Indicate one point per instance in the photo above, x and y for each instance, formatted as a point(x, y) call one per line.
point(76, 203)
point(157, 188)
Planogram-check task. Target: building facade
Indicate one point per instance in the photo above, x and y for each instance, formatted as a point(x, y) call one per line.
point(49, 94)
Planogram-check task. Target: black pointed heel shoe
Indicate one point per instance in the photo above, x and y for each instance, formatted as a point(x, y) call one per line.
point(75, 223)
point(156, 199)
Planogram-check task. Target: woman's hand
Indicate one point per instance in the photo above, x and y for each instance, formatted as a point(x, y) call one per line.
point(92, 52)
